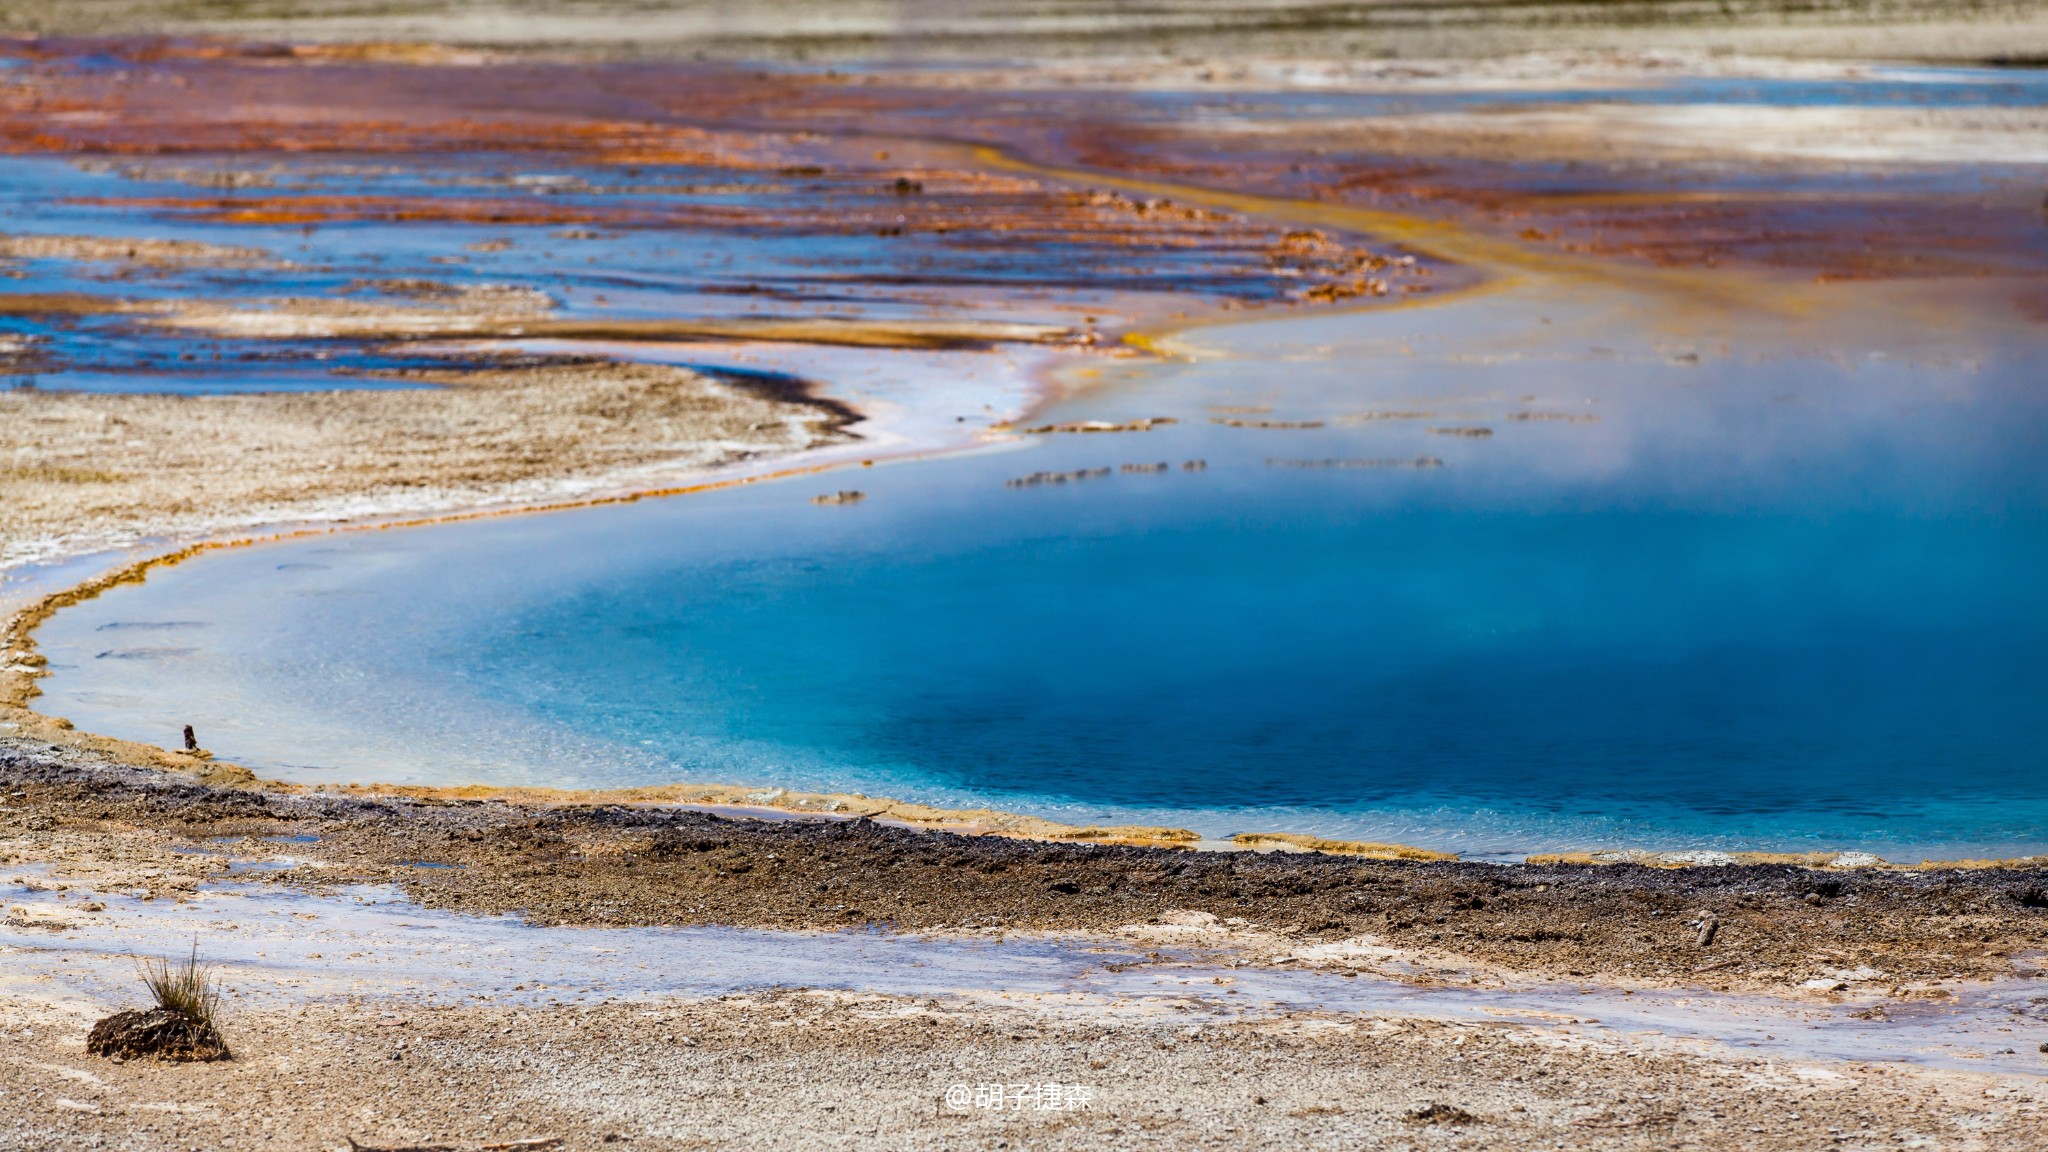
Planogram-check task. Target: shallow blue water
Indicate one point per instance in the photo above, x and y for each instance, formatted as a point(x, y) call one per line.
point(1782, 601)
point(670, 253)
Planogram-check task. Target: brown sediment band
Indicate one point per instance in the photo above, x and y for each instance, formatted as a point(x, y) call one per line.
point(67, 304)
point(1302, 842)
point(1506, 259)
point(968, 821)
point(1832, 861)
point(497, 313)
point(1240, 422)
point(433, 325)
point(1141, 424)
point(129, 250)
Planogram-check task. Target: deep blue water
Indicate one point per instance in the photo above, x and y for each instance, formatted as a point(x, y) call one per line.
point(1241, 656)
point(1788, 600)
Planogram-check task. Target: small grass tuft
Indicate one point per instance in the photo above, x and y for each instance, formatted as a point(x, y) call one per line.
point(186, 987)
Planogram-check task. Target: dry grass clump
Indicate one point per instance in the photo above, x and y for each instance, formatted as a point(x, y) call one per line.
point(180, 1027)
point(187, 987)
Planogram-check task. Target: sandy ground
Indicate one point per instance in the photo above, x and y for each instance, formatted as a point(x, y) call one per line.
point(1624, 133)
point(86, 472)
point(812, 1070)
point(808, 1068)
point(1947, 30)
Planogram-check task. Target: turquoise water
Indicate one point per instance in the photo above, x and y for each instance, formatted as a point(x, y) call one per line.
point(1677, 598)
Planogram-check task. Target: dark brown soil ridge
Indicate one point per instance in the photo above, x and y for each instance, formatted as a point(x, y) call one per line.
point(620, 865)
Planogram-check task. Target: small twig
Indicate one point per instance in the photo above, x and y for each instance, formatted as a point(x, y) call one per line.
point(1638, 1122)
point(523, 1144)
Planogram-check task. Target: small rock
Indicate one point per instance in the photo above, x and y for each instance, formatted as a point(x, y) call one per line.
point(1446, 1114)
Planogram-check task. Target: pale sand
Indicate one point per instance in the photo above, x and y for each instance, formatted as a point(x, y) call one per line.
point(85, 472)
point(1650, 132)
point(825, 1070)
point(136, 252)
point(1945, 30)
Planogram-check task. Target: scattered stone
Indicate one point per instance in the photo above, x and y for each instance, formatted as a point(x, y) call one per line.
point(1158, 208)
point(1556, 417)
point(1417, 462)
point(527, 1144)
point(1369, 417)
point(1446, 1114)
point(1159, 467)
point(157, 1032)
point(1240, 422)
point(849, 496)
point(1075, 476)
point(1344, 290)
point(1143, 424)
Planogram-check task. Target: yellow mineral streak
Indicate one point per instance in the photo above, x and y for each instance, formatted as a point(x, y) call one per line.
point(1302, 842)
